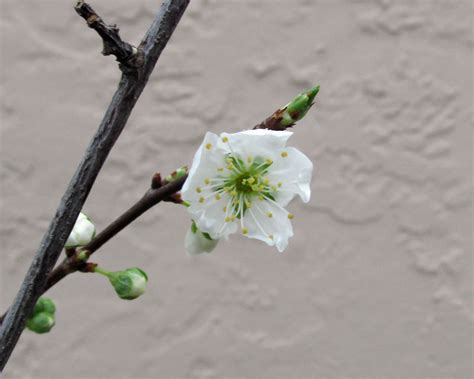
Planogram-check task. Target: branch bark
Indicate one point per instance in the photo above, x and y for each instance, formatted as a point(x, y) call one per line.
point(115, 118)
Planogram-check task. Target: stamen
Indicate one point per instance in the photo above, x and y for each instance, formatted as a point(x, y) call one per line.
point(201, 199)
point(284, 154)
point(269, 214)
point(245, 231)
point(291, 216)
point(207, 180)
point(225, 139)
point(198, 189)
point(208, 146)
point(218, 197)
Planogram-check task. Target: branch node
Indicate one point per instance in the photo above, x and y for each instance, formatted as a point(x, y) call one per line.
point(127, 55)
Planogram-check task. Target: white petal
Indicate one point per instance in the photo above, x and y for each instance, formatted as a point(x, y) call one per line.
point(82, 233)
point(209, 216)
point(261, 226)
point(196, 243)
point(294, 173)
point(260, 143)
point(205, 164)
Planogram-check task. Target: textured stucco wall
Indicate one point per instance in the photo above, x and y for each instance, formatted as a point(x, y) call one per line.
point(377, 281)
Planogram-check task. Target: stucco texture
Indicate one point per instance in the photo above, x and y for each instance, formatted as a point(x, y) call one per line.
point(376, 283)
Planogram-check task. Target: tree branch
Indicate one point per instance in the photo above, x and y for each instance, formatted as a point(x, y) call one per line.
point(116, 116)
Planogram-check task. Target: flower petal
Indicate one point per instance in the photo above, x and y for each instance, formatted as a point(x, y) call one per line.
point(293, 174)
point(269, 223)
point(210, 216)
point(259, 143)
point(206, 161)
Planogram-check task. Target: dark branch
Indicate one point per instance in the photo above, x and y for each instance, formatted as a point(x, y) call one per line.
point(125, 53)
point(116, 116)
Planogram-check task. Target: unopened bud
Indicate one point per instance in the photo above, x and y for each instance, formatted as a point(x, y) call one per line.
point(44, 304)
point(82, 233)
point(128, 284)
point(42, 320)
point(298, 107)
point(40, 323)
point(179, 173)
point(197, 242)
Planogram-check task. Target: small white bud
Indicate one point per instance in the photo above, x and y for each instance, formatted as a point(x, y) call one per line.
point(82, 233)
point(196, 242)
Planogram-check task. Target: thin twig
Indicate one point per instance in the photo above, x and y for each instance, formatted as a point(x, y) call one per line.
point(116, 116)
point(151, 198)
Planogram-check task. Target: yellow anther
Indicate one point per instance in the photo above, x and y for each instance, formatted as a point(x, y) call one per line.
point(245, 231)
point(266, 180)
point(270, 214)
point(274, 189)
point(233, 193)
point(225, 139)
point(198, 189)
point(280, 184)
point(284, 154)
point(271, 236)
point(269, 161)
point(218, 197)
point(230, 167)
point(208, 146)
point(248, 203)
point(224, 209)
point(201, 199)
point(227, 219)
point(232, 218)
point(260, 197)
point(220, 169)
point(291, 216)
point(207, 180)
point(251, 180)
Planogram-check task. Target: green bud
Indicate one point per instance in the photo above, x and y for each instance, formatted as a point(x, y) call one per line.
point(298, 107)
point(179, 173)
point(40, 323)
point(44, 305)
point(130, 283)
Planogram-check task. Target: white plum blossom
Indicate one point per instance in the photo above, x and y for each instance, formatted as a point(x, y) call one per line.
point(197, 242)
point(82, 233)
point(244, 181)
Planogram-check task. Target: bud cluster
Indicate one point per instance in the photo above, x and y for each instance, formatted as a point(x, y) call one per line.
point(42, 319)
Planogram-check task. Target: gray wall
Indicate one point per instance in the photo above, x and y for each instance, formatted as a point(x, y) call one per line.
point(377, 281)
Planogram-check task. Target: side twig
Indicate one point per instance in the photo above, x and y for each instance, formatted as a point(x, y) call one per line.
point(116, 116)
point(125, 53)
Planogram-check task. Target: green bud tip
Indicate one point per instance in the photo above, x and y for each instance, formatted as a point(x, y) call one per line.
point(179, 173)
point(299, 106)
point(130, 283)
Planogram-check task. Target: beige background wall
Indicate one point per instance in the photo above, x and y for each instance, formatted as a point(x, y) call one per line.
point(377, 281)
